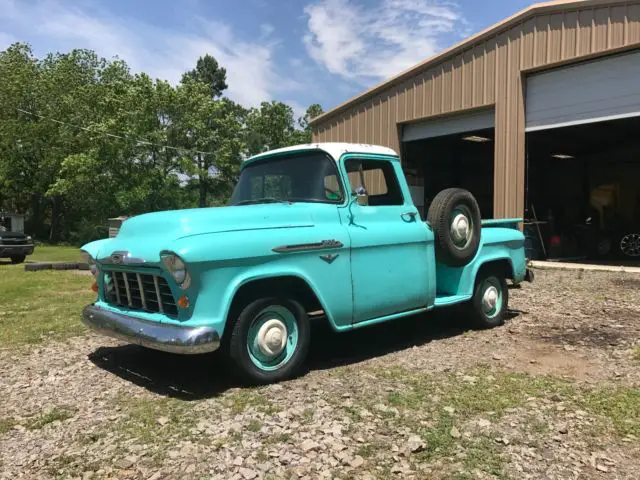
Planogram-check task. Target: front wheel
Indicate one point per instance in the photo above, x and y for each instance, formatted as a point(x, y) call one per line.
point(15, 259)
point(490, 301)
point(270, 340)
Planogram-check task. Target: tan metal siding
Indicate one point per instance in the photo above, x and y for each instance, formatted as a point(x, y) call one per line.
point(490, 72)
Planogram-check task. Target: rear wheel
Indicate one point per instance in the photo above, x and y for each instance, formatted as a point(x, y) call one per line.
point(18, 258)
point(490, 300)
point(270, 340)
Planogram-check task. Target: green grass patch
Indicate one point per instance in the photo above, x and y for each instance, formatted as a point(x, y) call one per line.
point(54, 253)
point(636, 354)
point(39, 306)
point(240, 401)
point(153, 419)
point(49, 416)
point(6, 424)
point(620, 405)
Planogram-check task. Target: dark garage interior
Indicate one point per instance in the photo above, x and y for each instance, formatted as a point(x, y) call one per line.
point(583, 192)
point(462, 160)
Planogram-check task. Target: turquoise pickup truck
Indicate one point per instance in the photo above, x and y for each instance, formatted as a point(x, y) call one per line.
point(321, 232)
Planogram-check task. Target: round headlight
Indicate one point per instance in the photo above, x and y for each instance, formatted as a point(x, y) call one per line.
point(177, 268)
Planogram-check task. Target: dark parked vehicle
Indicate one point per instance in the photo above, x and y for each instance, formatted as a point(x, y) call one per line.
point(14, 244)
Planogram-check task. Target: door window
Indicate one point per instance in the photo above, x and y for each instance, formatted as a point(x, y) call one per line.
point(378, 177)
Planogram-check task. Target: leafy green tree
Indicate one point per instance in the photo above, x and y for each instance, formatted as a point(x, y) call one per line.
point(208, 71)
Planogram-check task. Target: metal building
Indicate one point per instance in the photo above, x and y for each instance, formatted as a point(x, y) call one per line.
point(517, 110)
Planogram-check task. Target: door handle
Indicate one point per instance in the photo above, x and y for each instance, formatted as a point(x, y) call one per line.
point(411, 215)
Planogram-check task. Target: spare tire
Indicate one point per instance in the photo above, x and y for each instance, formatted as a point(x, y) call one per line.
point(454, 216)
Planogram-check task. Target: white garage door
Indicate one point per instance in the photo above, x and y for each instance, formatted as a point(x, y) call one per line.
point(448, 125)
point(599, 90)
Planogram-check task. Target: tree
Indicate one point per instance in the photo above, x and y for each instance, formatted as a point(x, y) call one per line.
point(208, 71)
point(268, 127)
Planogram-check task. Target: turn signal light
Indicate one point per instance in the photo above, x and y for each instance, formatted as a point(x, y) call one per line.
point(94, 287)
point(183, 302)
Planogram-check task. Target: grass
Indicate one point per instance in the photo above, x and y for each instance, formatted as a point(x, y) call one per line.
point(6, 424)
point(620, 405)
point(43, 305)
point(54, 253)
point(636, 354)
point(49, 416)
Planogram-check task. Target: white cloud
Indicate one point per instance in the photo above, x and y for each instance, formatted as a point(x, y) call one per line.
point(162, 53)
point(5, 40)
point(361, 43)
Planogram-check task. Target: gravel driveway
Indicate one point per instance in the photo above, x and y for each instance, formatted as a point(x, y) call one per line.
point(552, 394)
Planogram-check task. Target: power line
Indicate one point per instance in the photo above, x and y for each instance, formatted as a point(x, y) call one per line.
point(113, 135)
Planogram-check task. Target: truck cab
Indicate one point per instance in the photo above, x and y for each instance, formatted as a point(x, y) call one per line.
point(320, 232)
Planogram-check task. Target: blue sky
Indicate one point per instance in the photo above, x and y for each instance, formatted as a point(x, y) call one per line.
point(296, 51)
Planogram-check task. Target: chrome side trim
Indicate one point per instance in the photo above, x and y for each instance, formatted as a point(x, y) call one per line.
point(168, 338)
point(323, 245)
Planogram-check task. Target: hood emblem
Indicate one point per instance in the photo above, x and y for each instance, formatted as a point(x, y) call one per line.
point(329, 257)
point(116, 258)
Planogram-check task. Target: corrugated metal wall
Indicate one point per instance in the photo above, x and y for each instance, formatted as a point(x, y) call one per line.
point(488, 72)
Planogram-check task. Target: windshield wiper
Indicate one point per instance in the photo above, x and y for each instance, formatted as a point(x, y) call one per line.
point(262, 200)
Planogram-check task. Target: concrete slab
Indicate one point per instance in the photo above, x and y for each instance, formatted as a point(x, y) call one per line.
point(582, 266)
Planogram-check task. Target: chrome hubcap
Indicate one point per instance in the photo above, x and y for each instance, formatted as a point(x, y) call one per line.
point(460, 228)
point(272, 337)
point(490, 299)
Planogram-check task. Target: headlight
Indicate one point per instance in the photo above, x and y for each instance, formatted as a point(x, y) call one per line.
point(29, 239)
point(177, 268)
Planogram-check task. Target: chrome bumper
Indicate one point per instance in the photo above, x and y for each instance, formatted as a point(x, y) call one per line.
point(168, 338)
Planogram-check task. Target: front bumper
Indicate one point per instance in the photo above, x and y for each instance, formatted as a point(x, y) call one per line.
point(11, 250)
point(168, 338)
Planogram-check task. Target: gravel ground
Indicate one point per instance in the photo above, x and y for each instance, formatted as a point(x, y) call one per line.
point(552, 394)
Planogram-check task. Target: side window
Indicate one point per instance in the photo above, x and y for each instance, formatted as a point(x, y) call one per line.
point(378, 178)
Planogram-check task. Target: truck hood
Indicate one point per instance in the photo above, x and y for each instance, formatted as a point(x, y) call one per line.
point(145, 235)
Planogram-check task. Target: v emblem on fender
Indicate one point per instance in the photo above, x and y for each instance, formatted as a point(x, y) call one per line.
point(329, 257)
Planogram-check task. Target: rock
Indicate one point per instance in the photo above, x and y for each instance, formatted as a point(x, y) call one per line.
point(309, 445)
point(415, 444)
point(155, 476)
point(469, 379)
point(238, 461)
point(497, 357)
point(484, 423)
point(190, 468)
point(357, 461)
point(163, 421)
point(450, 410)
point(247, 473)
point(556, 398)
point(563, 429)
point(601, 468)
point(124, 463)
point(455, 433)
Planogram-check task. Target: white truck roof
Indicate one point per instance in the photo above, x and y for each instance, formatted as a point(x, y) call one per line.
point(334, 149)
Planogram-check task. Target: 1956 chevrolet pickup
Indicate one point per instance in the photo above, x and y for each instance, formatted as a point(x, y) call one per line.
point(325, 230)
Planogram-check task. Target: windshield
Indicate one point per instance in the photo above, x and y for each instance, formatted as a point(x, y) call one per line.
point(305, 177)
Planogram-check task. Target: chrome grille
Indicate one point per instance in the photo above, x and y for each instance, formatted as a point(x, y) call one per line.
point(10, 241)
point(140, 291)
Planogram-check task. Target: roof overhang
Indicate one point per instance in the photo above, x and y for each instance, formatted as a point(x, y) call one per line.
point(536, 9)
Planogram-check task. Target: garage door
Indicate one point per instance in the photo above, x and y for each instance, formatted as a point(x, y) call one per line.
point(599, 90)
point(448, 125)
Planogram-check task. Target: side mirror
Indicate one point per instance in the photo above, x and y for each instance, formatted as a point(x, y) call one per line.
point(362, 197)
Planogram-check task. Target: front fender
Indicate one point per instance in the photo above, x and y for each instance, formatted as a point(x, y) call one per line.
point(97, 248)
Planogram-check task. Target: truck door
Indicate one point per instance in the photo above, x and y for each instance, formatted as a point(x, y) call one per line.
point(389, 242)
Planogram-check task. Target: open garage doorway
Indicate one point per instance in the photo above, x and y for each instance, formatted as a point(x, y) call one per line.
point(463, 160)
point(583, 192)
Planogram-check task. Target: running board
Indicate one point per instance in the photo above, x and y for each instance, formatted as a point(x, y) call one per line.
point(451, 300)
